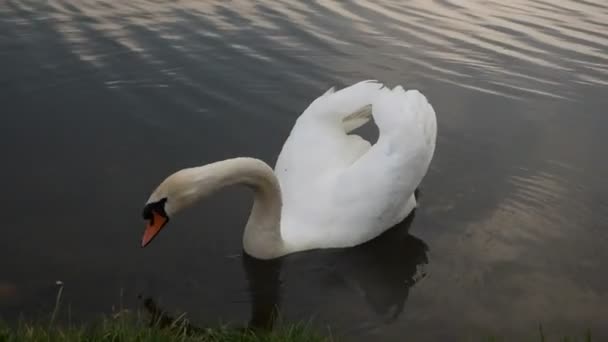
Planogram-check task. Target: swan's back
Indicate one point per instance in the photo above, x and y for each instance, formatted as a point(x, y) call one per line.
point(340, 191)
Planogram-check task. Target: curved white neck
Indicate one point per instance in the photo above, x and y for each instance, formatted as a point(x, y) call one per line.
point(262, 237)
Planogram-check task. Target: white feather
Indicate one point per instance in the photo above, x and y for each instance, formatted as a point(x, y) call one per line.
point(338, 190)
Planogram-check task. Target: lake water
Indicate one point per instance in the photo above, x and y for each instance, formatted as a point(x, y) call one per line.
point(100, 100)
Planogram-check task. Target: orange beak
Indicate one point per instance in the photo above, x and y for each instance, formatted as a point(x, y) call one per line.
point(154, 226)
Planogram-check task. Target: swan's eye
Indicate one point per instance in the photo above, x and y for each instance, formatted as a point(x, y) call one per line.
point(158, 207)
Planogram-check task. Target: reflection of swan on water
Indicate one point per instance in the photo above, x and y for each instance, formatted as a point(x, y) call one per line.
point(382, 271)
point(330, 188)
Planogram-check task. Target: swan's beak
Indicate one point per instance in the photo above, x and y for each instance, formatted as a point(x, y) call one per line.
point(155, 224)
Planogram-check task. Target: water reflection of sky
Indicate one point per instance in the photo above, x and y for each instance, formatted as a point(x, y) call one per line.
point(500, 42)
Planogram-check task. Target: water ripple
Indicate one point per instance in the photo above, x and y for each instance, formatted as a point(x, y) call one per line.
point(451, 39)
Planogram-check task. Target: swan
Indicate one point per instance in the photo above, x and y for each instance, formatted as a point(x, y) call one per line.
point(329, 188)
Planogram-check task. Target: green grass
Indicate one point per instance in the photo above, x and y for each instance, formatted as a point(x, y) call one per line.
point(157, 326)
point(129, 327)
point(133, 327)
point(154, 325)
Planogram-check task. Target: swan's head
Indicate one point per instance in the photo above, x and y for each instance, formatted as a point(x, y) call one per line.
point(175, 193)
point(156, 216)
point(187, 186)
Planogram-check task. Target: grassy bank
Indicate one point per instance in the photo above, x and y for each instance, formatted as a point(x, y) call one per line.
point(131, 328)
point(134, 328)
point(153, 324)
point(111, 332)
point(156, 325)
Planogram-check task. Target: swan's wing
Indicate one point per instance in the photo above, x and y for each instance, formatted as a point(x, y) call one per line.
point(357, 119)
point(338, 190)
point(341, 103)
point(378, 185)
point(319, 147)
point(346, 108)
point(319, 141)
point(333, 106)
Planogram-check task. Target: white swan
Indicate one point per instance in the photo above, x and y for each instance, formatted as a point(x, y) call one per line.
point(329, 188)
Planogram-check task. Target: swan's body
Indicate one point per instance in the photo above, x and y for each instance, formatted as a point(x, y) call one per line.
point(329, 188)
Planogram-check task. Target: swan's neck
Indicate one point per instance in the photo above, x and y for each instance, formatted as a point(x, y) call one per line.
point(262, 237)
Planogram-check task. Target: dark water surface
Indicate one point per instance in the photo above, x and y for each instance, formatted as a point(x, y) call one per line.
point(100, 100)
